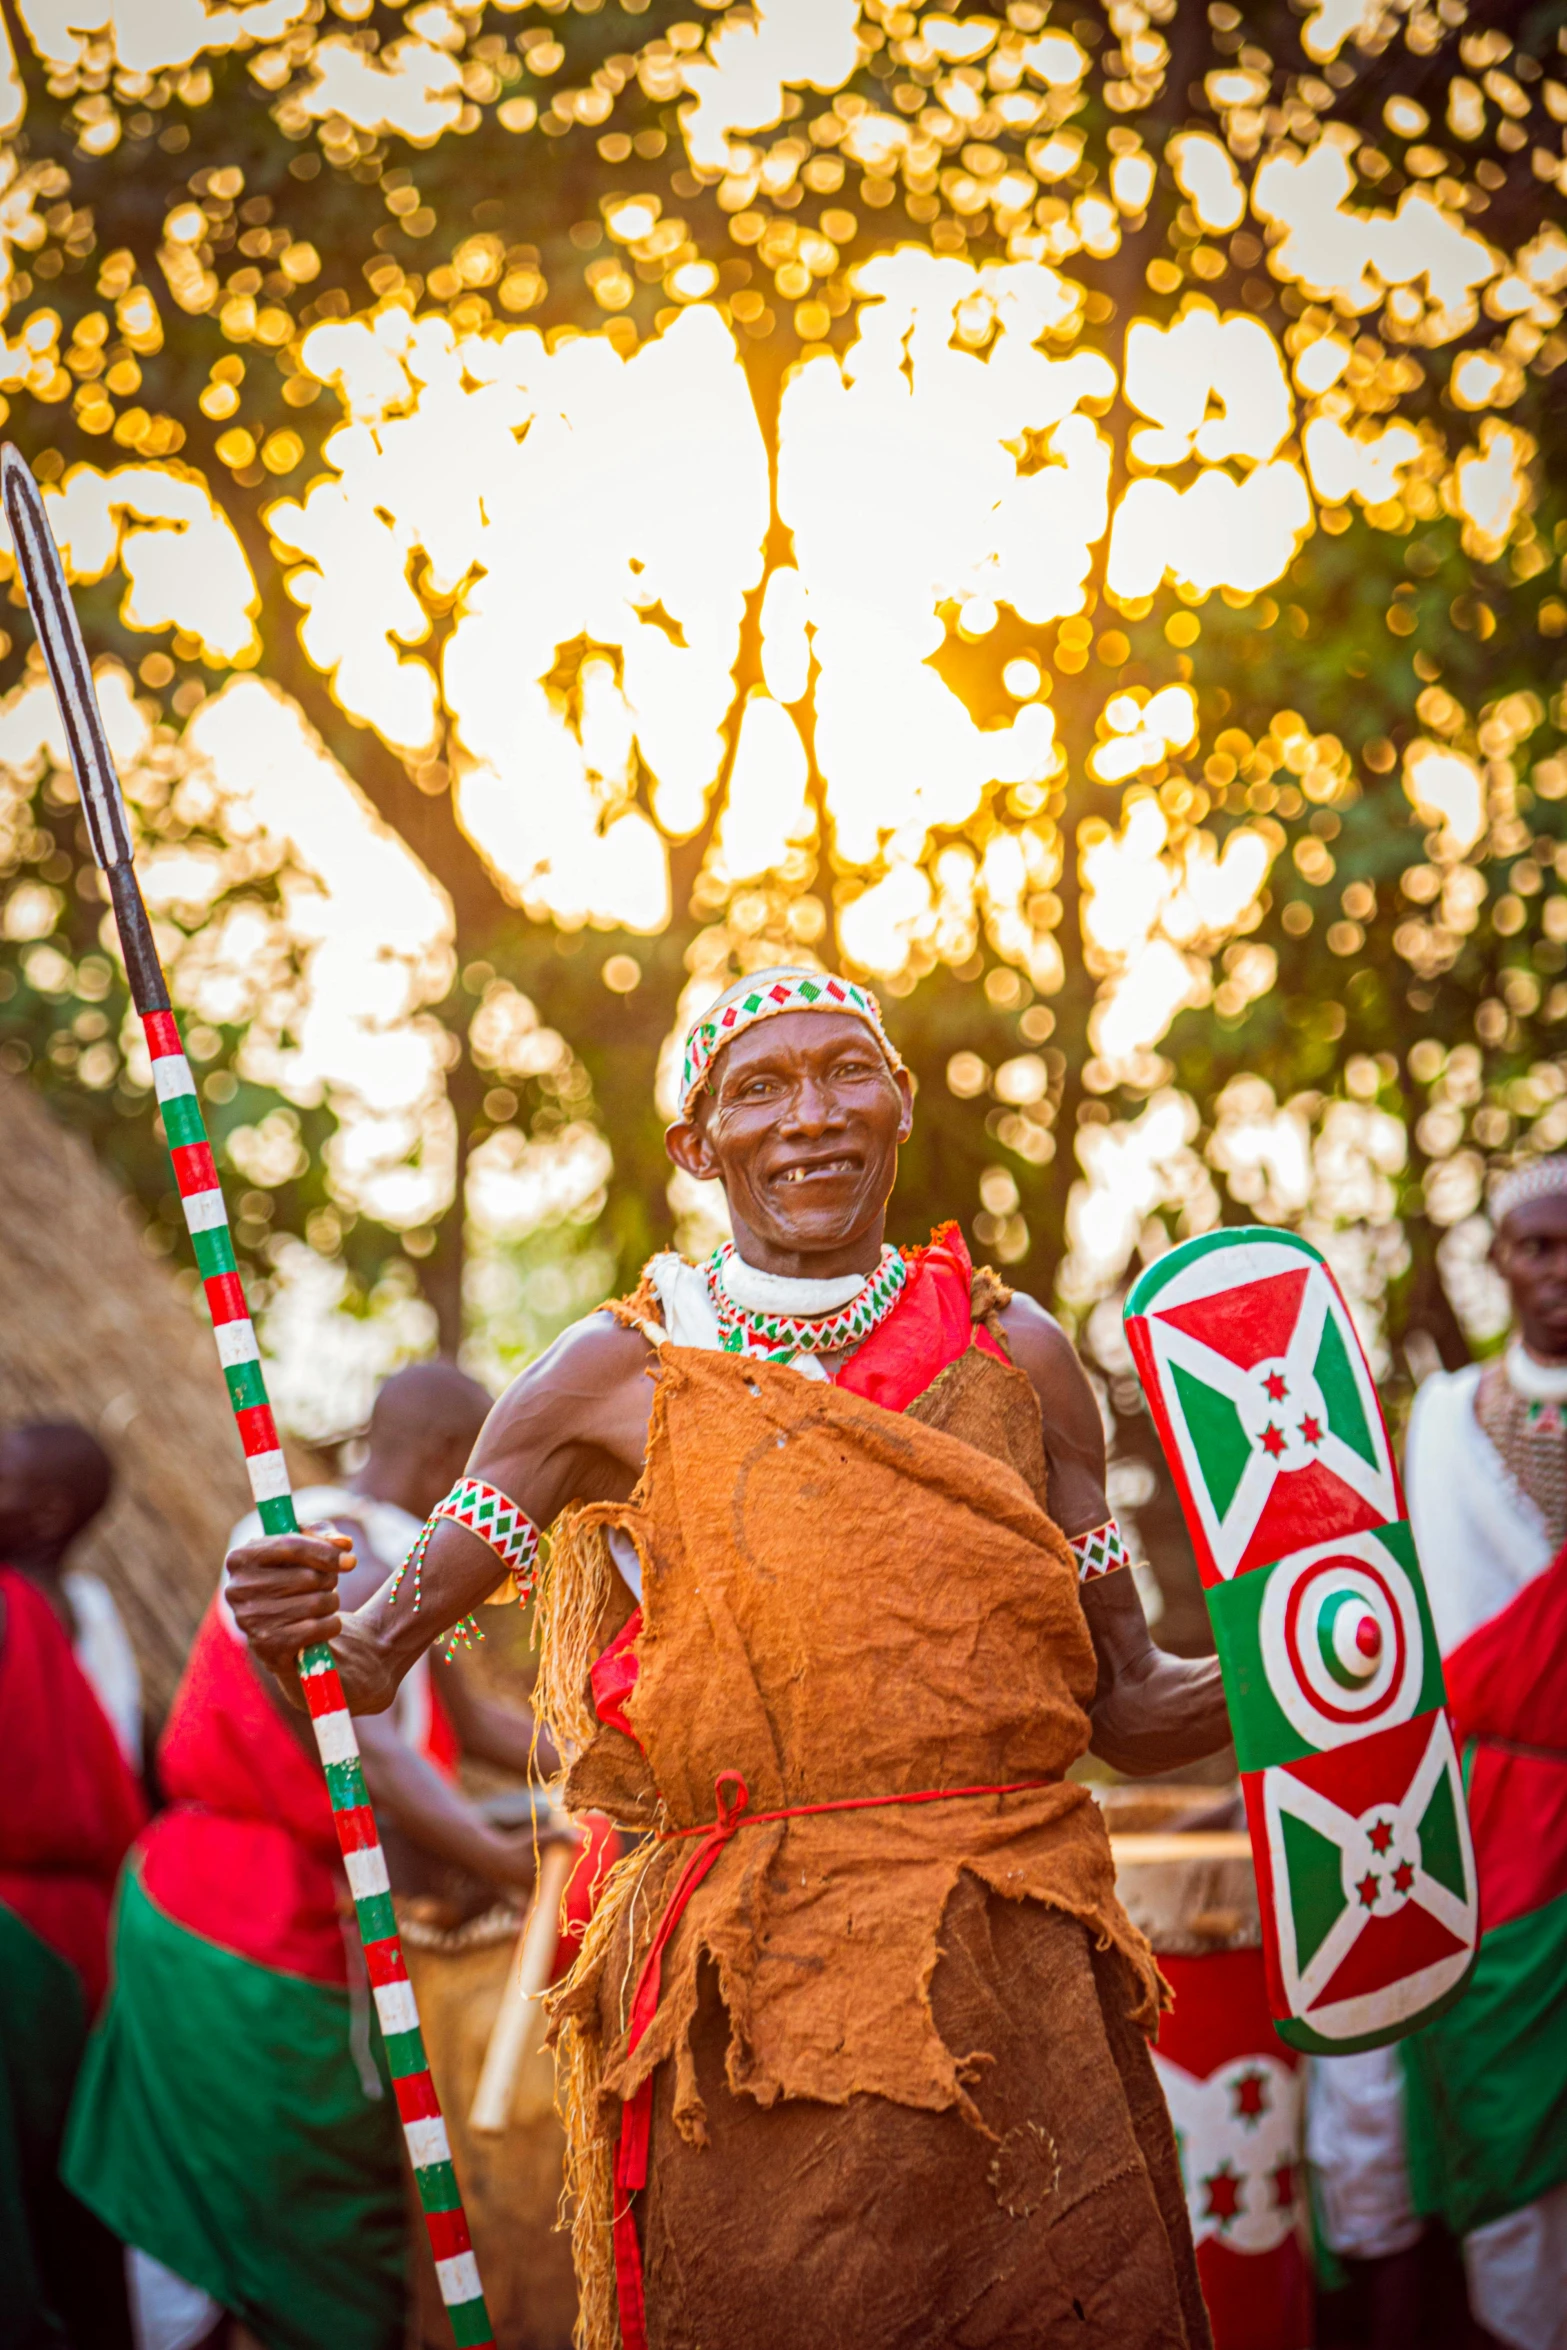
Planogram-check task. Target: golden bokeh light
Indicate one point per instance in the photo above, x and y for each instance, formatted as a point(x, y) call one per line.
point(183, 564)
point(860, 524)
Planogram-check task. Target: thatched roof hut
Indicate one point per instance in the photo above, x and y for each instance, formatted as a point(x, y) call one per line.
point(93, 1328)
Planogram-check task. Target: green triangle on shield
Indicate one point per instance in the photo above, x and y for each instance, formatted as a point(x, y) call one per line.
point(1441, 1849)
point(1220, 1440)
point(1335, 1375)
point(1315, 1866)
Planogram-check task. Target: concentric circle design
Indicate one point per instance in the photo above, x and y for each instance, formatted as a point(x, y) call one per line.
point(1350, 1638)
point(1342, 1644)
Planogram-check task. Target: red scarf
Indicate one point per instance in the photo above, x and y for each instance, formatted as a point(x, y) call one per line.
point(929, 1327)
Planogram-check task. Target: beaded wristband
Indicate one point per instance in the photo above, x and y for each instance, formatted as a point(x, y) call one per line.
point(1100, 1552)
point(510, 1533)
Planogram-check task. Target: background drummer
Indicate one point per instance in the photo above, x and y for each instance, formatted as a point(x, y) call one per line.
point(232, 2122)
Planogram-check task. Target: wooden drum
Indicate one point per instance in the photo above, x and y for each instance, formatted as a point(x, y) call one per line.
point(1236, 2092)
point(510, 2183)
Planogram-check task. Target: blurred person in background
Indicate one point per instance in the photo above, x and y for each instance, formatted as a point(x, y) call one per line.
point(233, 2122)
point(424, 1418)
point(70, 1805)
point(1467, 2121)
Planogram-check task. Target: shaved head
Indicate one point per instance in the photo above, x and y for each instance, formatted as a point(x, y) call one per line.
point(428, 1400)
point(55, 1477)
point(424, 1424)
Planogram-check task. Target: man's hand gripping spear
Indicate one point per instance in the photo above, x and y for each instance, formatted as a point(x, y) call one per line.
point(103, 804)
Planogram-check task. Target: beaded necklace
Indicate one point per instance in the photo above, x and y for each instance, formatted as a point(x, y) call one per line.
point(777, 1337)
point(1522, 1407)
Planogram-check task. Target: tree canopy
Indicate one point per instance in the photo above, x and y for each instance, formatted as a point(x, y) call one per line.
point(1054, 508)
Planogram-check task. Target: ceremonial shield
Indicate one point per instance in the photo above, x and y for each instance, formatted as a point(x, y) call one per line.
point(1270, 1422)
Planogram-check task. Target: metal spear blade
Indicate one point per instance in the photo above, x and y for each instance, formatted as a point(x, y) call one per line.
point(65, 656)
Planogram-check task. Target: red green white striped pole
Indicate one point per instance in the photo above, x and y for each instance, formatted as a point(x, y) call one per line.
point(59, 637)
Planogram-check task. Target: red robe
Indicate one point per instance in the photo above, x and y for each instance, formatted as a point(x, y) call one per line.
point(1507, 1692)
point(246, 1854)
point(70, 1807)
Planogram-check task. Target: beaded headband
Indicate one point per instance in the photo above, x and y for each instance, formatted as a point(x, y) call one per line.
point(1535, 1179)
point(763, 997)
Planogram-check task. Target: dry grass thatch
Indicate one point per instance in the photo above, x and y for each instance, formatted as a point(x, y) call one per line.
point(94, 1329)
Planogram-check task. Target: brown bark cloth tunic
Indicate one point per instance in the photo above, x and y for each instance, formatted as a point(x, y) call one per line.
point(902, 2096)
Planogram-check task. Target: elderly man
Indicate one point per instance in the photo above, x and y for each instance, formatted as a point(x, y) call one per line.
point(855, 2048)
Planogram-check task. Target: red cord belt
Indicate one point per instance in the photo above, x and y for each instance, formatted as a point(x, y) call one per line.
point(731, 1801)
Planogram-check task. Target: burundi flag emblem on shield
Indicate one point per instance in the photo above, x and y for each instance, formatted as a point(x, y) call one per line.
point(1271, 1424)
point(1269, 1414)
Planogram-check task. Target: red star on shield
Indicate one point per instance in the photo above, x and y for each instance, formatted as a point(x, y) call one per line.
point(1381, 1836)
point(1403, 1877)
point(1251, 2097)
point(1223, 2190)
point(1283, 2178)
point(1275, 1387)
point(1367, 1889)
point(1311, 1430)
point(1272, 1441)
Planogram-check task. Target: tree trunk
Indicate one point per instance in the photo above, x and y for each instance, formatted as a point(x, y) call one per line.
point(441, 1272)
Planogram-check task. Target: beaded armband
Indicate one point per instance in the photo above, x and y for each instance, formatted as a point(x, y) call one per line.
point(1100, 1552)
point(512, 1535)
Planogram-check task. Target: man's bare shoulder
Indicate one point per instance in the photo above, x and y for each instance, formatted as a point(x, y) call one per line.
point(1042, 1350)
point(1074, 1431)
point(593, 1357)
point(588, 1389)
point(1041, 1347)
point(600, 1342)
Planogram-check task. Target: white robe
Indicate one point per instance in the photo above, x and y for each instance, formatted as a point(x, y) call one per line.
point(1480, 1539)
point(102, 1648)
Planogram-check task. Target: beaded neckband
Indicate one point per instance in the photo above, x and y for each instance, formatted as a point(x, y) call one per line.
point(779, 1337)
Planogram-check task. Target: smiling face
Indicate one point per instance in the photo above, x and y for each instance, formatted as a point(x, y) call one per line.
point(1531, 1256)
point(801, 1122)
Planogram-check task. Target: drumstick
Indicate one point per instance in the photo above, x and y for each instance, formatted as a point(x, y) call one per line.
point(517, 2027)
